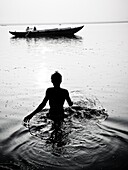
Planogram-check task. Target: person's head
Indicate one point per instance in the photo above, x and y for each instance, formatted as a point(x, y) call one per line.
point(56, 79)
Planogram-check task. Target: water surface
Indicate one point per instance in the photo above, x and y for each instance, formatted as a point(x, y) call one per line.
point(94, 66)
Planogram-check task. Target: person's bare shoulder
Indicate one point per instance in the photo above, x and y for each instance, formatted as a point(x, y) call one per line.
point(49, 90)
point(65, 91)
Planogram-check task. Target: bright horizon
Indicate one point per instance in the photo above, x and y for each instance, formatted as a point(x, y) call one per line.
point(62, 11)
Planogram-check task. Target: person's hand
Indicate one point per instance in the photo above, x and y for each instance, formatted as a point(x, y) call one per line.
point(26, 120)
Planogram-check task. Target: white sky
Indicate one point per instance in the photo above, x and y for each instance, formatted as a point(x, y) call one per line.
point(60, 11)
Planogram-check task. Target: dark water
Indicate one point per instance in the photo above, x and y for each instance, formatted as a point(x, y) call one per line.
point(94, 65)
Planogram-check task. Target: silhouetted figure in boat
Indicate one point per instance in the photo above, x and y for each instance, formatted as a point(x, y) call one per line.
point(34, 29)
point(27, 29)
point(56, 97)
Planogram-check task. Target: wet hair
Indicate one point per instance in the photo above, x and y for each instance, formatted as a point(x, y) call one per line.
point(56, 77)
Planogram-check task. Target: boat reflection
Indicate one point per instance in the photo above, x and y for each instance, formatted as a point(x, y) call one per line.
point(46, 41)
point(28, 39)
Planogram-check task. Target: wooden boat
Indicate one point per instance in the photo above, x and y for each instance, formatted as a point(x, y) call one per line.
point(47, 32)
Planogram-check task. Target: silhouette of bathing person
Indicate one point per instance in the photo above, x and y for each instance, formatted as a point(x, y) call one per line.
point(56, 97)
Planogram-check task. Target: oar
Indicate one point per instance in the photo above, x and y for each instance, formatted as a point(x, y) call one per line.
point(27, 34)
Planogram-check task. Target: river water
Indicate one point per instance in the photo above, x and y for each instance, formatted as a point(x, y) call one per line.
point(94, 66)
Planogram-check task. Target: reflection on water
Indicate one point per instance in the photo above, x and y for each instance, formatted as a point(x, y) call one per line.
point(56, 39)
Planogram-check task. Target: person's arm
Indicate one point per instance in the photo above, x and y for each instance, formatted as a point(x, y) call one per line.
point(70, 103)
point(38, 109)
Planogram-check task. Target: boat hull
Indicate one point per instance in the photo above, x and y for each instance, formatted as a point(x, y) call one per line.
point(48, 32)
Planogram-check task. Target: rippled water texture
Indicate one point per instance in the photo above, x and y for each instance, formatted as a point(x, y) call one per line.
point(75, 143)
point(94, 133)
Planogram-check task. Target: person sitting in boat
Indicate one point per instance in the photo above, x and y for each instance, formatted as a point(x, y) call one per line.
point(56, 97)
point(27, 29)
point(34, 29)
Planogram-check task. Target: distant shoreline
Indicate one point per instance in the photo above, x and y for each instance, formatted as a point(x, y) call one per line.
point(73, 23)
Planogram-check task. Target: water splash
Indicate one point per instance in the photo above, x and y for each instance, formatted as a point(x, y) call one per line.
point(70, 139)
point(80, 141)
point(79, 120)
